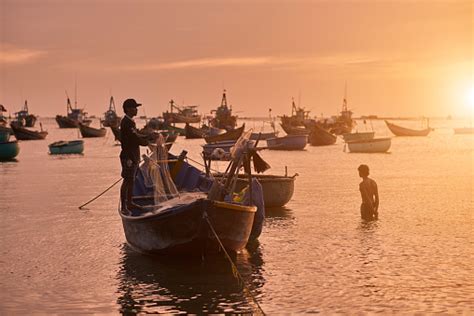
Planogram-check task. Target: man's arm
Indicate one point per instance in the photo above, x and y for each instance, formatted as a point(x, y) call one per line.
point(376, 194)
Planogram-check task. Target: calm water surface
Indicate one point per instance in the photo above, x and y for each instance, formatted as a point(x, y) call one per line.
point(315, 254)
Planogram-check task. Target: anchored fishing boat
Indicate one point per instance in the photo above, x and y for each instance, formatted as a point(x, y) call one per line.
point(22, 133)
point(9, 150)
point(357, 136)
point(288, 142)
point(318, 136)
point(295, 123)
point(89, 132)
point(187, 223)
point(375, 145)
point(66, 147)
point(403, 131)
point(111, 119)
point(230, 135)
point(73, 117)
point(192, 132)
point(464, 130)
point(24, 118)
point(185, 114)
point(223, 118)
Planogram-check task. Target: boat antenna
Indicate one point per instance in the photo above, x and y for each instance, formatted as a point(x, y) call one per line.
point(344, 101)
point(299, 98)
point(75, 91)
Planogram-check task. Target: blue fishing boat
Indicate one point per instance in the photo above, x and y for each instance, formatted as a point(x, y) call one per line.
point(65, 148)
point(9, 150)
point(288, 142)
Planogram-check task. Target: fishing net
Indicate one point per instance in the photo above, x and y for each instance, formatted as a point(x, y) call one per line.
point(156, 172)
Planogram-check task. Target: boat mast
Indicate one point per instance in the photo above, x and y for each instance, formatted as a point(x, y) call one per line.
point(112, 104)
point(344, 101)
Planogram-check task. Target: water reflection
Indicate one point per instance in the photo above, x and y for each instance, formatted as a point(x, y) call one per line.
point(278, 212)
point(182, 285)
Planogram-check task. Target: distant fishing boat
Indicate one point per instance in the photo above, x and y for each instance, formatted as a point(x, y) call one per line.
point(192, 132)
point(357, 136)
point(158, 123)
point(288, 142)
point(66, 147)
point(295, 123)
point(88, 132)
point(375, 145)
point(111, 119)
point(230, 135)
point(263, 136)
point(464, 130)
point(9, 150)
point(223, 118)
point(22, 133)
point(318, 136)
point(403, 131)
point(24, 118)
point(73, 117)
point(185, 114)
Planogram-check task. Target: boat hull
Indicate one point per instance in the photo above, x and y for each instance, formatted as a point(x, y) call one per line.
point(179, 118)
point(263, 136)
point(230, 135)
point(66, 148)
point(277, 190)
point(88, 132)
point(66, 122)
point(348, 137)
point(464, 130)
point(403, 131)
point(184, 230)
point(192, 132)
point(318, 136)
point(9, 150)
point(288, 142)
point(22, 133)
point(376, 145)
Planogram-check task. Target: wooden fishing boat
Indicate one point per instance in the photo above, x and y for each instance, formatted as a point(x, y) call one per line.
point(5, 133)
point(87, 131)
point(219, 150)
point(184, 114)
point(294, 130)
point(223, 118)
point(318, 136)
point(464, 130)
point(111, 119)
point(403, 131)
point(22, 133)
point(358, 136)
point(66, 147)
point(375, 145)
point(24, 118)
point(277, 190)
point(288, 142)
point(230, 135)
point(9, 150)
point(73, 117)
point(263, 136)
point(192, 132)
point(186, 224)
point(158, 124)
point(180, 227)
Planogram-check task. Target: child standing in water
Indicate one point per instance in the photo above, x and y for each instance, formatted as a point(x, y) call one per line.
point(370, 195)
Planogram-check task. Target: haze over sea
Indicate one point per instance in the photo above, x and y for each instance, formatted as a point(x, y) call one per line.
point(314, 255)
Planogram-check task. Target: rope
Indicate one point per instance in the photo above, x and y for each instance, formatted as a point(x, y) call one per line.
point(235, 271)
point(98, 196)
point(198, 163)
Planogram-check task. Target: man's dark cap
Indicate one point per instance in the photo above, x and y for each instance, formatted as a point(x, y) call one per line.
point(130, 103)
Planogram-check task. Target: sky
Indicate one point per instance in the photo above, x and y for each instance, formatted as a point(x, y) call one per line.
point(396, 57)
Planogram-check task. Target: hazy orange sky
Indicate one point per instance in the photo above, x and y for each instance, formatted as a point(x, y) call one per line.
point(398, 57)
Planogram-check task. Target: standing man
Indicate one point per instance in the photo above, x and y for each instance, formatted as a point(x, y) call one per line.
point(369, 209)
point(130, 154)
